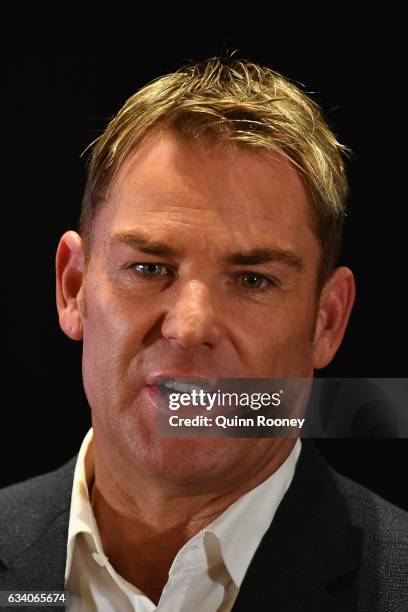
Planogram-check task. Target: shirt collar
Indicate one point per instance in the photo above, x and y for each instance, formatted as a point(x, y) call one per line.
point(81, 514)
point(242, 525)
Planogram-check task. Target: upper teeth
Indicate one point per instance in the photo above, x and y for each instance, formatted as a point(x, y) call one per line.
point(181, 387)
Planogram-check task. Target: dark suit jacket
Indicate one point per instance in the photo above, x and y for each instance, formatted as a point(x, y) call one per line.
point(333, 545)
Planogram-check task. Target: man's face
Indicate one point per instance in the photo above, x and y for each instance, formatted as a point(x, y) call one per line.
point(203, 264)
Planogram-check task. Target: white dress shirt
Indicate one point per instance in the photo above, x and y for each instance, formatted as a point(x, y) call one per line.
point(206, 573)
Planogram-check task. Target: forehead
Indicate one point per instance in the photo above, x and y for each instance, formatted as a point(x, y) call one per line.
point(167, 185)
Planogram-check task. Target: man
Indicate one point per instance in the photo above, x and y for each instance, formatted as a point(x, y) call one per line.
point(208, 243)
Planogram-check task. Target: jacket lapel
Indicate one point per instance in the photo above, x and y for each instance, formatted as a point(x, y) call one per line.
point(42, 562)
point(307, 549)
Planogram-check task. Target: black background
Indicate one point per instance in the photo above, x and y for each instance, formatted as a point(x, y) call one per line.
point(64, 75)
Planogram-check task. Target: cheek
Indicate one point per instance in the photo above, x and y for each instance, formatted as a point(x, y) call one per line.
point(111, 341)
point(280, 343)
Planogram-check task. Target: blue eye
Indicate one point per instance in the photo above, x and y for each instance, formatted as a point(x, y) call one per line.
point(151, 269)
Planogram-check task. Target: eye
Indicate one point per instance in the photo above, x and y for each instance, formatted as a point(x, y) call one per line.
point(257, 281)
point(150, 269)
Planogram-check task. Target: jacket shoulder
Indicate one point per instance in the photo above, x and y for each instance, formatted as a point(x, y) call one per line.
point(39, 489)
point(378, 517)
point(380, 534)
point(28, 507)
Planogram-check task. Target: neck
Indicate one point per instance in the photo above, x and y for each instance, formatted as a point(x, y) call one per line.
point(149, 521)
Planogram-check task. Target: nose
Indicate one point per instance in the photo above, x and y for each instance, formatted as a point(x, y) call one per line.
point(191, 320)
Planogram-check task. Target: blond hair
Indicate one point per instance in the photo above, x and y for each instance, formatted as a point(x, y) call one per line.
point(240, 103)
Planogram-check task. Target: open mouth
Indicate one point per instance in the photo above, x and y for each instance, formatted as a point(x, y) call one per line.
point(171, 385)
point(164, 390)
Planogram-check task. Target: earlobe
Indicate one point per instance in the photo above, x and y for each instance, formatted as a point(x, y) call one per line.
point(70, 264)
point(335, 304)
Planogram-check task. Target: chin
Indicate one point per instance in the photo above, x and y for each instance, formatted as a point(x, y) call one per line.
point(191, 460)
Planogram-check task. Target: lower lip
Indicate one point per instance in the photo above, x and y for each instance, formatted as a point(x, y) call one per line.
point(152, 403)
point(153, 391)
point(159, 399)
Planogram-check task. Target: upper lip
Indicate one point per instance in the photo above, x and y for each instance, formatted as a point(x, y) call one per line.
point(208, 382)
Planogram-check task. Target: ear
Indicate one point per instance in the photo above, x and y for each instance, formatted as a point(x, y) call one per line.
point(70, 265)
point(335, 304)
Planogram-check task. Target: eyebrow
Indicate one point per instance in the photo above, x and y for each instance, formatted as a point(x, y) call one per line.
point(259, 256)
point(147, 245)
